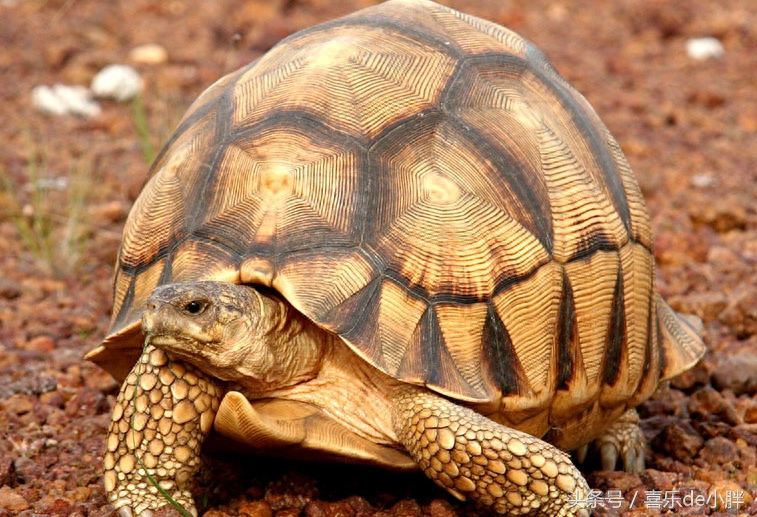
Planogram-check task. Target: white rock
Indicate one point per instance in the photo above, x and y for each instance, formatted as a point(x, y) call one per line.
point(44, 100)
point(149, 54)
point(704, 48)
point(78, 99)
point(703, 179)
point(119, 82)
point(62, 99)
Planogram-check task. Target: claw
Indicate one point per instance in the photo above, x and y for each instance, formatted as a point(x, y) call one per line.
point(638, 465)
point(609, 456)
point(581, 453)
point(629, 459)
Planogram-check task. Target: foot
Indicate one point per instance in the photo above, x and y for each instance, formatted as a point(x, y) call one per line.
point(622, 441)
point(471, 456)
point(157, 428)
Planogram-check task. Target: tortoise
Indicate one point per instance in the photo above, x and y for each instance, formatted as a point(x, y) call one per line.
point(399, 238)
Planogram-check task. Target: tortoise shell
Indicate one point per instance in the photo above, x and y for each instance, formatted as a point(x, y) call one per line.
point(425, 185)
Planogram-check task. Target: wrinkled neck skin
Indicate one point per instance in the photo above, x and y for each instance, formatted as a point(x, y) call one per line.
point(283, 349)
point(305, 363)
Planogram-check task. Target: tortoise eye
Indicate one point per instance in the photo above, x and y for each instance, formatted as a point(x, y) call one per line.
point(195, 307)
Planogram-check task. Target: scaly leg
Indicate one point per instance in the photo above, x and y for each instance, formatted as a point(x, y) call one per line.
point(162, 424)
point(469, 455)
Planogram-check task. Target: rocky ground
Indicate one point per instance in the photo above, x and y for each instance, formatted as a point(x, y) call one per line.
point(687, 125)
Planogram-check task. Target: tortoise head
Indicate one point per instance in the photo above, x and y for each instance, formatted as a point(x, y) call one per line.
point(199, 314)
point(232, 332)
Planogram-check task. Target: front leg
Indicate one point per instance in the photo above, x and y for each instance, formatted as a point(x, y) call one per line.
point(471, 456)
point(158, 425)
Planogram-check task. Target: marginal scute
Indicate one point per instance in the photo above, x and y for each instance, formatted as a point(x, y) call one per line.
point(528, 310)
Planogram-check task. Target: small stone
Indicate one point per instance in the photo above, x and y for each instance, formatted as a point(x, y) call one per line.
point(707, 305)
point(7, 471)
point(726, 494)
point(683, 443)
point(707, 404)
point(703, 180)
point(86, 402)
point(9, 289)
point(18, 404)
point(360, 506)
point(701, 49)
point(257, 509)
point(62, 100)
point(719, 451)
point(109, 212)
point(659, 480)
point(406, 508)
point(118, 82)
point(148, 54)
point(741, 313)
point(737, 373)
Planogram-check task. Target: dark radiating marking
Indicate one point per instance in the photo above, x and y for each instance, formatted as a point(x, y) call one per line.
point(438, 367)
point(649, 350)
point(356, 319)
point(125, 305)
point(316, 128)
point(463, 299)
point(592, 242)
point(431, 342)
point(427, 360)
point(586, 123)
point(208, 160)
point(617, 337)
point(566, 335)
point(500, 356)
point(661, 349)
point(524, 180)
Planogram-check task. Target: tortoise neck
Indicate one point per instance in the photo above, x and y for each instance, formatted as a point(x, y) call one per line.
point(289, 348)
